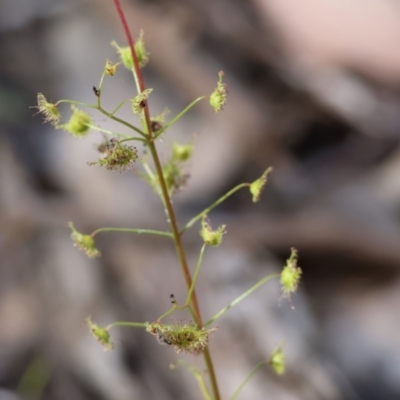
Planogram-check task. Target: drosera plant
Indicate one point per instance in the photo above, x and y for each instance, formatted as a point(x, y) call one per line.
point(190, 336)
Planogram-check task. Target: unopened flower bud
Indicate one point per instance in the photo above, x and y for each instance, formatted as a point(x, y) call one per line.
point(140, 101)
point(49, 110)
point(110, 68)
point(290, 275)
point(125, 53)
point(211, 237)
point(219, 95)
point(100, 334)
point(78, 124)
point(182, 152)
point(277, 361)
point(141, 52)
point(257, 186)
point(84, 243)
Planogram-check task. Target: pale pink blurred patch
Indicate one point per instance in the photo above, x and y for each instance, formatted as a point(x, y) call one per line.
point(362, 35)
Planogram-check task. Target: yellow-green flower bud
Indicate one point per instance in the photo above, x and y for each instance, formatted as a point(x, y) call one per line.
point(141, 52)
point(49, 110)
point(219, 95)
point(140, 101)
point(79, 123)
point(182, 152)
point(277, 361)
point(174, 178)
point(257, 186)
point(210, 237)
point(117, 156)
point(100, 334)
point(84, 243)
point(185, 337)
point(290, 275)
point(125, 53)
point(110, 68)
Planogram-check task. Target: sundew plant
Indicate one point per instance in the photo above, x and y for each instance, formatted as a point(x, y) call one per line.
point(120, 154)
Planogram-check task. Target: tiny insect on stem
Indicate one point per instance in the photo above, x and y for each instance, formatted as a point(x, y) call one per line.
point(96, 91)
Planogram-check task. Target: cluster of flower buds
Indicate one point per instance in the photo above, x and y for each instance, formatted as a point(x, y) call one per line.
point(117, 156)
point(183, 337)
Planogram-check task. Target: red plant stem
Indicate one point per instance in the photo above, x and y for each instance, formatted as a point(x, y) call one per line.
point(135, 63)
point(167, 201)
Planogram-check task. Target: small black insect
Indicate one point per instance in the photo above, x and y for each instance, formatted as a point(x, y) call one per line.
point(96, 91)
point(155, 126)
point(162, 338)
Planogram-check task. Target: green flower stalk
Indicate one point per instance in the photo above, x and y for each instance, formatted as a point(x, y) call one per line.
point(211, 237)
point(79, 123)
point(83, 242)
point(218, 97)
point(184, 337)
point(49, 110)
point(100, 334)
point(257, 186)
point(117, 156)
point(277, 361)
point(290, 275)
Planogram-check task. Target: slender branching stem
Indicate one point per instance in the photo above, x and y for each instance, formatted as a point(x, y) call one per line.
point(195, 275)
point(249, 376)
point(121, 121)
point(215, 204)
point(240, 298)
point(177, 117)
point(119, 106)
point(199, 377)
point(111, 133)
point(167, 201)
point(127, 324)
point(133, 230)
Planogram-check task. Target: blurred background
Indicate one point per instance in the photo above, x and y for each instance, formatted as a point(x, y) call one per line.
point(314, 91)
